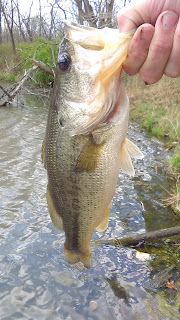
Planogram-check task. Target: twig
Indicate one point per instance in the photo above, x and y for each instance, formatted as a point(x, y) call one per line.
point(141, 238)
point(20, 63)
point(42, 66)
point(7, 65)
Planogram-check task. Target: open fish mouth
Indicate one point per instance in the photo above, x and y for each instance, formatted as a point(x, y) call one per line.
point(101, 52)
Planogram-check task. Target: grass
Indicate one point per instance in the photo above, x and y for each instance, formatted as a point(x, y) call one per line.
point(175, 160)
point(173, 198)
point(7, 76)
point(157, 109)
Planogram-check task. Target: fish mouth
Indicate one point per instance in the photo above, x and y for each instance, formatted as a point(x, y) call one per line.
point(109, 101)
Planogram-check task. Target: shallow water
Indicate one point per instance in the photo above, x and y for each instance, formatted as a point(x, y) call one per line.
point(35, 280)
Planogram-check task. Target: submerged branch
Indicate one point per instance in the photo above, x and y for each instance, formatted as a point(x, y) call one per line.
point(5, 91)
point(141, 238)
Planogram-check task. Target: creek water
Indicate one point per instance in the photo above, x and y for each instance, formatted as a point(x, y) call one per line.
point(35, 280)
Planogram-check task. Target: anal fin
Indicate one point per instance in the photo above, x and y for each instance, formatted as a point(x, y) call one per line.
point(104, 221)
point(55, 217)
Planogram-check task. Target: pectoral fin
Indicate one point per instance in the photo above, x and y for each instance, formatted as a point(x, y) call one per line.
point(129, 148)
point(125, 162)
point(133, 149)
point(105, 221)
point(89, 157)
point(55, 217)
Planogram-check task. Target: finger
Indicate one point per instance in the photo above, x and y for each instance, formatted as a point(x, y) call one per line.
point(138, 12)
point(160, 47)
point(138, 49)
point(172, 68)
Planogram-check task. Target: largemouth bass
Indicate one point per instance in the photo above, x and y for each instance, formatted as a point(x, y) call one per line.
point(85, 143)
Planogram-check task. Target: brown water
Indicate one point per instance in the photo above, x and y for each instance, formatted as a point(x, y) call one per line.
point(35, 280)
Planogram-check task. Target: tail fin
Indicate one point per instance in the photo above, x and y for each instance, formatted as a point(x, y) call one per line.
point(73, 257)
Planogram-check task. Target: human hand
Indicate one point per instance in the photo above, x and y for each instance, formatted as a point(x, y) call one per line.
point(155, 47)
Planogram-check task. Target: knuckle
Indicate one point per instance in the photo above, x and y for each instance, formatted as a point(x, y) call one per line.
point(160, 47)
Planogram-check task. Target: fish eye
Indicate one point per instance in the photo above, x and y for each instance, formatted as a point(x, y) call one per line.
point(64, 61)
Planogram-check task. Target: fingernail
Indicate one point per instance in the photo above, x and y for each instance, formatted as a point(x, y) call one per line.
point(169, 20)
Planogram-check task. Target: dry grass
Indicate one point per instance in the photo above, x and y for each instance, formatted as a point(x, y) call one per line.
point(165, 92)
point(173, 198)
point(157, 107)
point(7, 59)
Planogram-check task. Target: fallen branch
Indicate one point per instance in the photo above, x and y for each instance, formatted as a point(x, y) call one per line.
point(19, 85)
point(5, 91)
point(141, 238)
point(42, 66)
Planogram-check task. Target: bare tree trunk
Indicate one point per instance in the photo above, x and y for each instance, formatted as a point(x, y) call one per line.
point(109, 9)
point(52, 22)
point(10, 23)
point(98, 14)
point(91, 17)
point(20, 22)
point(0, 22)
point(40, 19)
point(27, 23)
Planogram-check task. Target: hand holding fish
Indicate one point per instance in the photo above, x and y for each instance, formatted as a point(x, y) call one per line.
point(155, 47)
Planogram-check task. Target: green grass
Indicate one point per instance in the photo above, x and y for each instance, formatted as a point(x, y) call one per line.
point(175, 159)
point(161, 122)
point(157, 131)
point(7, 76)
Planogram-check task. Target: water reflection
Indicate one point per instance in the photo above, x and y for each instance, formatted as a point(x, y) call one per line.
point(35, 280)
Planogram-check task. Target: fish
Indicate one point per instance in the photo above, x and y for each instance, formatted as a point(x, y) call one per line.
point(86, 141)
